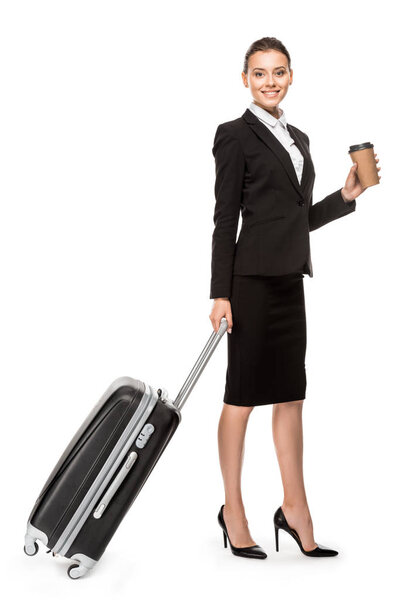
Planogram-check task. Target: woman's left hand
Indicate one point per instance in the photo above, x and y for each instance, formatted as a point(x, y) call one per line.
point(353, 188)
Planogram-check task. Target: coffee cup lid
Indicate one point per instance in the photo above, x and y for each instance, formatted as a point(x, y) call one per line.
point(361, 146)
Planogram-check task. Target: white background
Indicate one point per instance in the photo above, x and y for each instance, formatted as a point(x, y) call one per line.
point(108, 114)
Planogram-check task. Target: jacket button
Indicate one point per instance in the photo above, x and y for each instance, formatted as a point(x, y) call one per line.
point(300, 202)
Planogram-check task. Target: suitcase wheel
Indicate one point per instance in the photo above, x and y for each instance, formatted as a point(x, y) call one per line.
point(76, 571)
point(31, 550)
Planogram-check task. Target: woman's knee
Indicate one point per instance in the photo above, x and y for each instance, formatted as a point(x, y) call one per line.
point(243, 411)
point(288, 405)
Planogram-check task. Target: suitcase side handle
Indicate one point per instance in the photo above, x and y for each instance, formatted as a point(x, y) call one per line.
point(112, 490)
point(201, 362)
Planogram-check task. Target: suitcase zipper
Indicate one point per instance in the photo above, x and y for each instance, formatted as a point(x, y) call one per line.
point(132, 430)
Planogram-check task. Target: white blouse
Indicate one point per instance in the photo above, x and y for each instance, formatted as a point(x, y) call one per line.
point(279, 128)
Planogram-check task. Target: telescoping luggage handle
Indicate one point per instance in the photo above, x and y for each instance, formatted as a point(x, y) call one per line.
point(201, 362)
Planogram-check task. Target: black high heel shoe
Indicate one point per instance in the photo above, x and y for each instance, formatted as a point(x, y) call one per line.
point(249, 551)
point(281, 523)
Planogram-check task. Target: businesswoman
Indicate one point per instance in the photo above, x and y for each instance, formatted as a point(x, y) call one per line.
point(264, 171)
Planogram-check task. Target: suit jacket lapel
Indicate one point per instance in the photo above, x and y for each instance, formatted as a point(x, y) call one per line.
point(271, 141)
point(306, 155)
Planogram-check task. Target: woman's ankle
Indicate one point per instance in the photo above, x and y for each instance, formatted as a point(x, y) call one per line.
point(236, 510)
point(296, 508)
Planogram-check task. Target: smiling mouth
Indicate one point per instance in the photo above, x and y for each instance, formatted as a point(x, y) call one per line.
point(271, 94)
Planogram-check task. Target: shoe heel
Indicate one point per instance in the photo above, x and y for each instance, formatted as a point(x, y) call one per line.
point(276, 538)
point(225, 541)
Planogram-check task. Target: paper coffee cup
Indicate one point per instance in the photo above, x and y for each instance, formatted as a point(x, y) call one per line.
point(363, 155)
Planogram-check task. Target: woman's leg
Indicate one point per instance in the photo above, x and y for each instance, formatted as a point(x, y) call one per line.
point(287, 430)
point(231, 433)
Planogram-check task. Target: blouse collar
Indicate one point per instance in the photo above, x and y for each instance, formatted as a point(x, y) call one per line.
point(266, 116)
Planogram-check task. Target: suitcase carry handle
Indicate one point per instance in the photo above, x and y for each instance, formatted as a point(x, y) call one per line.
point(200, 364)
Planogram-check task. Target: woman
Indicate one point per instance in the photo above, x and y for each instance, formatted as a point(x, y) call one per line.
point(264, 170)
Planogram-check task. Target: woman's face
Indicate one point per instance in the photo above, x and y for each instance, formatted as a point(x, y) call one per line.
point(269, 78)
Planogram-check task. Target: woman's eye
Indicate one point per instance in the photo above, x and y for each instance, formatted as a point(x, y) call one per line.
point(278, 73)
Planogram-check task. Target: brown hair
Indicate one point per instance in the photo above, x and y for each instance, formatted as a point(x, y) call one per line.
point(263, 44)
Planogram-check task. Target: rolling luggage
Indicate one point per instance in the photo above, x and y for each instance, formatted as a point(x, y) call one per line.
point(105, 466)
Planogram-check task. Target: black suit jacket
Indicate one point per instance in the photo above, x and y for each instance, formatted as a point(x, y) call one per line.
point(255, 176)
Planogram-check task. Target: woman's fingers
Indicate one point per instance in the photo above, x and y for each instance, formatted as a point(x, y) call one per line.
point(216, 321)
point(377, 168)
point(228, 317)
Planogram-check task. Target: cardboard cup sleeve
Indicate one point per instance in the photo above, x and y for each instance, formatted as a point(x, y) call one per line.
point(363, 155)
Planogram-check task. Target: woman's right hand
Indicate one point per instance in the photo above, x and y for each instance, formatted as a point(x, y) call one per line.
point(221, 308)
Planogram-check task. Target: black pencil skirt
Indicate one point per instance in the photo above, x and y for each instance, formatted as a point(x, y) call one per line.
point(267, 346)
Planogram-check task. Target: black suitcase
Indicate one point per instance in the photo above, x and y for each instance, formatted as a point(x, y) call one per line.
point(104, 467)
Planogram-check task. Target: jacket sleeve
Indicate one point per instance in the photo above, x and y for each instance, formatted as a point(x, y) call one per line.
point(229, 174)
point(330, 208)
